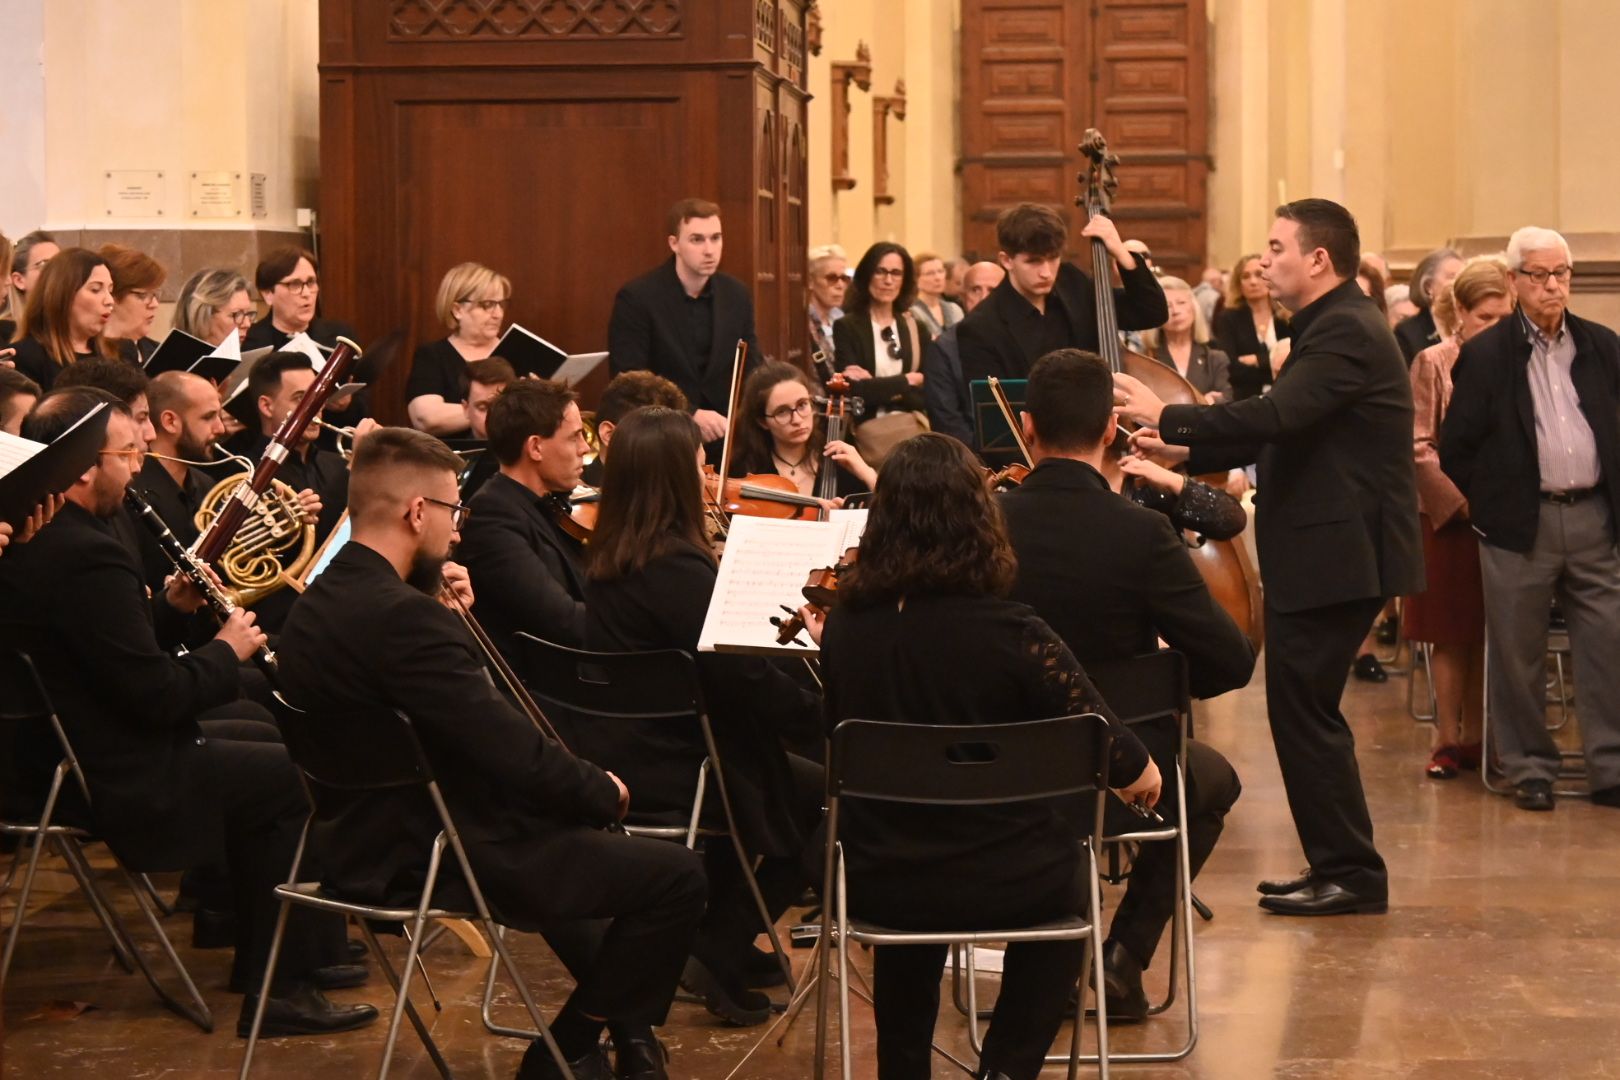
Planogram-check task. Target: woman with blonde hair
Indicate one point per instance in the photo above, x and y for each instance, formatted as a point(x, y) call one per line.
point(1252, 329)
point(931, 308)
point(1183, 343)
point(213, 304)
point(1450, 613)
point(472, 304)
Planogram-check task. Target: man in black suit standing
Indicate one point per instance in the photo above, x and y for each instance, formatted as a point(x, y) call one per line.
point(684, 319)
point(1532, 437)
point(526, 572)
point(1336, 526)
point(369, 632)
point(1112, 578)
point(1046, 303)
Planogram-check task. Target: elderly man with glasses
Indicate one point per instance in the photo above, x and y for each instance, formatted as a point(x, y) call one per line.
point(1532, 438)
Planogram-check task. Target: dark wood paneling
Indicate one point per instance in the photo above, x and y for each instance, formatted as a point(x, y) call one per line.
point(1037, 73)
point(546, 138)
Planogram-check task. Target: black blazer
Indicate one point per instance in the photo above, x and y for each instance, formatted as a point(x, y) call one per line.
point(526, 574)
point(1488, 439)
point(1416, 333)
point(74, 599)
point(649, 330)
point(958, 660)
point(853, 344)
point(988, 345)
point(1112, 577)
point(360, 638)
point(1336, 516)
point(1233, 334)
point(176, 505)
point(752, 705)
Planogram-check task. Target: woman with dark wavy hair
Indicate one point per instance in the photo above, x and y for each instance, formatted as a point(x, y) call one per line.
point(922, 634)
point(878, 344)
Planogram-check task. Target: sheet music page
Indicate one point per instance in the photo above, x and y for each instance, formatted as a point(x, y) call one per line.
point(764, 568)
point(578, 366)
point(854, 524)
point(14, 450)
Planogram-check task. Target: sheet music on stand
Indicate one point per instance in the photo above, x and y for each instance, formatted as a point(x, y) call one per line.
point(764, 568)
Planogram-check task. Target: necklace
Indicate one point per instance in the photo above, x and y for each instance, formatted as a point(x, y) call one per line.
point(793, 466)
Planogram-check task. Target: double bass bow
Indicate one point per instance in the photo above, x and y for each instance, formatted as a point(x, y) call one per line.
point(1224, 564)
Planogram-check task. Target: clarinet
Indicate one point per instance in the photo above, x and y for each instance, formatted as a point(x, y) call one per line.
point(195, 570)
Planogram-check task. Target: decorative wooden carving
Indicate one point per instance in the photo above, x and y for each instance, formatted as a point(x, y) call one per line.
point(812, 27)
point(508, 19)
point(859, 72)
point(882, 109)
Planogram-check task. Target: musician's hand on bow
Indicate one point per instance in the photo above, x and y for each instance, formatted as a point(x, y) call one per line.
point(41, 517)
point(855, 373)
point(458, 583)
point(310, 503)
point(1134, 401)
point(815, 620)
point(1147, 442)
point(624, 797)
point(1154, 475)
point(711, 425)
point(240, 633)
point(849, 459)
point(1145, 788)
point(1102, 228)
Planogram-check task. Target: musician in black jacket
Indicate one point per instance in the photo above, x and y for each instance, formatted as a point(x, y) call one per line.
point(186, 422)
point(1337, 529)
point(368, 632)
point(922, 634)
point(684, 319)
point(526, 572)
point(1046, 303)
point(1112, 578)
point(167, 793)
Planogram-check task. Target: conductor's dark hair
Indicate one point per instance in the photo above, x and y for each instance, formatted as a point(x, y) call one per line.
point(120, 378)
point(1325, 224)
point(526, 407)
point(933, 527)
point(61, 409)
point(1070, 397)
point(1031, 229)
point(652, 498)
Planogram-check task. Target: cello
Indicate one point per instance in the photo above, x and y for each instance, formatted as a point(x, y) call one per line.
point(1224, 564)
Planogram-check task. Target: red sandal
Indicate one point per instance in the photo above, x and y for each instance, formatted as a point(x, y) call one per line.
point(1445, 762)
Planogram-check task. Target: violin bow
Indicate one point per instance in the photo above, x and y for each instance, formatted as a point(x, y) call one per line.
point(1012, 421)
point(738, 362)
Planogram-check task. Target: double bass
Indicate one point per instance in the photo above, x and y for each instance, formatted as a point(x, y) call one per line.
point(1224, 564)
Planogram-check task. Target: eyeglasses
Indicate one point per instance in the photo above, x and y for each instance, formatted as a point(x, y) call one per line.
point(892, 341)
point(145, 296)
point(486, 306)
point(302, 286)
point(886, 272)
point(1561, 273)
point(240, 318)
point(459, 512)
point(833, 279)
point(782, 415)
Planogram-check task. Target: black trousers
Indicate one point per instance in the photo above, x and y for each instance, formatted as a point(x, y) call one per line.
point(1035, 981)
point(619, 911)
point(1308, 658)
point(1150, 892)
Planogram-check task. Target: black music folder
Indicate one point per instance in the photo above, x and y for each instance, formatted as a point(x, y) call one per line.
point(30, 471)
point(529, 353)
point(179, 351)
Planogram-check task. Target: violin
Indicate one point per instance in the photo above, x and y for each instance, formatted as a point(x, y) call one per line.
point(580, 519)
point(820, 593)
point(758, 495)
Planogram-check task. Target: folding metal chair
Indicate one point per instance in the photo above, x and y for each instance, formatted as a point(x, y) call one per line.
point(25, 703)
point(1572, 765)
point(1009, 763)
point(1422, 656)
point(321, 745)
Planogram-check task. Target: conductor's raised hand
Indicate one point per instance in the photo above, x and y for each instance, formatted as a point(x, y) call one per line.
point(240, 633)
point(1135, 401)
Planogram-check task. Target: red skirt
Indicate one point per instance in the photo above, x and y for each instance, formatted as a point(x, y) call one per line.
point(1451, 610)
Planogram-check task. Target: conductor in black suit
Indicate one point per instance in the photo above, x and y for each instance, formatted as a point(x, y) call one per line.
point(1336, 525)
point(684, 319)
point(368, 632)
point(1112, 578)
point(1046, 303)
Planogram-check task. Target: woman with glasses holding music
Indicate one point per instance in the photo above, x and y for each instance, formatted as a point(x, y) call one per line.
point(214, 304)
point(879, 342)
point(136, 278)
point(780, 433)
point(472, 303)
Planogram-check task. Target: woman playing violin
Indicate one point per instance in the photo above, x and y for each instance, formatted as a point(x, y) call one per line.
point(779, 433)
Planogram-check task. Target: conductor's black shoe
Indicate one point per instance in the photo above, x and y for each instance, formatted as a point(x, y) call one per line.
point(725, 997)
point(1387, 631)
point(1122, 979)
point(1324, 898)
point(1368, 669)
point(1609, 796)
point(639, 1055)
point(305, 1011)
point(538, 1064)
point(1278, 888)
point(212, 929)
point(761, 970)
point(1534, 795)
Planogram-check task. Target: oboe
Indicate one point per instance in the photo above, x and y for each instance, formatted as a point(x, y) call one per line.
point(195, 570)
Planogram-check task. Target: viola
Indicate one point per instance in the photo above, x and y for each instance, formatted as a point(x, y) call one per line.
point(820, 593)
point(758, 495)
point(580, 519)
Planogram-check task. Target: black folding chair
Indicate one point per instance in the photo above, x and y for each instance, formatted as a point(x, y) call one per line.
point(982, 765)
point(322, 746)
point(26, 710)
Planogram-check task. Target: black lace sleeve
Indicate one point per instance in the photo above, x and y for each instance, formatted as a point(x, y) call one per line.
point(1062, 689)
point(1199, 508)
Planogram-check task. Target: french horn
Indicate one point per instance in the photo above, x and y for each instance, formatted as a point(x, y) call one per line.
point(274, 544)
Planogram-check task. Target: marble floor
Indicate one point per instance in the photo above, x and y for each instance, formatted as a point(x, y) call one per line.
point(1499, 958)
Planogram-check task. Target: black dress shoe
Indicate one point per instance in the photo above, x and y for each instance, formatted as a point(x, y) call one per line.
point(723, 996)
point(1368, 669)
point(1609, 796)
point(1387, 631)
point(1275, 887)
point(356, 950)
point(305, 1011)
point(1122, 978)
point(1534, 795)
point(538, 1064)
point(639, 1055)
point(1324, 898)
point(212, 929)
point(334, 977)
point(761, 970)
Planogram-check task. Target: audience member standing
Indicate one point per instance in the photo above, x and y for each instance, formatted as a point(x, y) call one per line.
point(1252, 329)
point(1432, 274)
